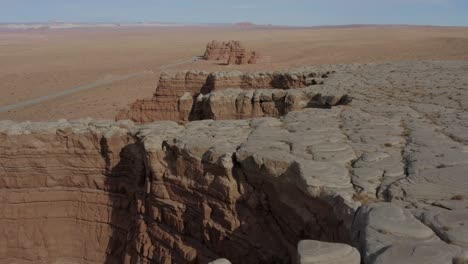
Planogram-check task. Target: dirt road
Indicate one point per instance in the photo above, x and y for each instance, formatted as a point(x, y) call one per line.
point(98, 83)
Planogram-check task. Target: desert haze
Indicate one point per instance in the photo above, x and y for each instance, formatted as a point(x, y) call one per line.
point(36, 63)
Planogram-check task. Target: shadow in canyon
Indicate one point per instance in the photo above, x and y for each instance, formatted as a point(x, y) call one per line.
point(245, 218)
point(125, 182)
point(209, 211)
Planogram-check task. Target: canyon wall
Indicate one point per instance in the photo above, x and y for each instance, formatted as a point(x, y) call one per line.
point(384, 173)
point(177, 94)
point(103, 192)
point(244, 104)
point(65, 192)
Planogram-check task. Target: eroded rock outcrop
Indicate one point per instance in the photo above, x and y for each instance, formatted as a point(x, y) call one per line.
point(165, 193)
point(65, 191)
point(176, 95)
point(243, 104)
point(172, 99)
point(317, 252)
point(384, 174)
point(231, 52)
point(389, 234)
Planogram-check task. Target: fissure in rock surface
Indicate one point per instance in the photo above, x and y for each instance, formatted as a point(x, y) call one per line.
point(384, 172)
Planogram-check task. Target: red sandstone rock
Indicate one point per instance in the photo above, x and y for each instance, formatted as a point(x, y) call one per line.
point(247, 190)
point(232, 52)
point(176, 94)
point(166, 103)
point(109, 192)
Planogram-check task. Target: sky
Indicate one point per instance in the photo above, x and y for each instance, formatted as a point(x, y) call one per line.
point(276, 12)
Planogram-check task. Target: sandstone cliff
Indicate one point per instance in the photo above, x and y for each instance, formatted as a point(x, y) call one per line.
point(176, 96)
point(231, 52)
point(243, 104)
point(385, 173)
point(163, 193)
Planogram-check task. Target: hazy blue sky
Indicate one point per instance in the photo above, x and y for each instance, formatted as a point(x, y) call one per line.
point(280, 12)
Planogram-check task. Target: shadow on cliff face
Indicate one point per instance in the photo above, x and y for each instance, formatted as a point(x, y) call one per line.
point(240, 216)
point(327, 102)
point(125, 182)
point(192, 211)
point(254, 107)
point(274, 216)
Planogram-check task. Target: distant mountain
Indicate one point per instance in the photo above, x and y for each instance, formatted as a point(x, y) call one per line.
point(63, 25)
point(245, 24)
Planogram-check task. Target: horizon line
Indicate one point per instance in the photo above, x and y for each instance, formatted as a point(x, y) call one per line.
point(240, 24)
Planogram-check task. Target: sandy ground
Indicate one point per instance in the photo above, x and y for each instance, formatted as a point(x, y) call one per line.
point(39, 63)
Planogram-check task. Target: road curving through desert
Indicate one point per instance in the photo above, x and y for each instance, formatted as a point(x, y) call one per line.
point(95, 84)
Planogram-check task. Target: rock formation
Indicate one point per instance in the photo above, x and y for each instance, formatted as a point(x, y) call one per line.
point(172, 99)
point(162, 193)
point(220, 261)
point(242, 104)
point(384, 173)
point(317, 252)
point(177, 95)
point(231, 52)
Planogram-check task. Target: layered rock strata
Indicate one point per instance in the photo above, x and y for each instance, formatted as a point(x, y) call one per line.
point(65, 192)
point(176, 95)
point(385, 173)
point(231, 52)
point(243, 104)
point(165, 193)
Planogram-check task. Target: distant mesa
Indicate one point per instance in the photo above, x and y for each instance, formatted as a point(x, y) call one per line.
point(231, 52)
point(245, 24)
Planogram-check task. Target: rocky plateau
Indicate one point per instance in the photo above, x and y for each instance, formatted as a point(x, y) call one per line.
point(230, 52)
point(327, 164)
point(197, 95)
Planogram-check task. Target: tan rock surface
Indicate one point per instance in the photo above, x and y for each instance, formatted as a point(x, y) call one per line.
point(220, 261)
point(243, 104)
point(176, 94)
point(383, 173)
point(231, 52)
point(172, 194)
point(316, 252)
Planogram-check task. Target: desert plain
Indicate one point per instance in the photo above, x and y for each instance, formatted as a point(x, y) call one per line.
point(35, 63)
point(342, 145)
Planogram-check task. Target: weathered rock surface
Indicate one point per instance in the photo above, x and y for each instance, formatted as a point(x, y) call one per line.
point(220, 261)
point(316, 252)
point(164, 193)
point(62, 191)
point(176, 95)
point(243, 104)
point(385, 173)
point(172, 99)
point(231, 52)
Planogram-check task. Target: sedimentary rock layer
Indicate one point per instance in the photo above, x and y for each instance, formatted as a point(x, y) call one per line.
point(176, 94)
point(166, 193)
point(65, 195)
point(243, 104)
point(385, 173)
point(231, 52)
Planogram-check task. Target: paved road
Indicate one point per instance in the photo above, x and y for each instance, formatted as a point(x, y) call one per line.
point(88, 86)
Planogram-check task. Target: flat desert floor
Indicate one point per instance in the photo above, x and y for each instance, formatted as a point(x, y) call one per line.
point(126, 63)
